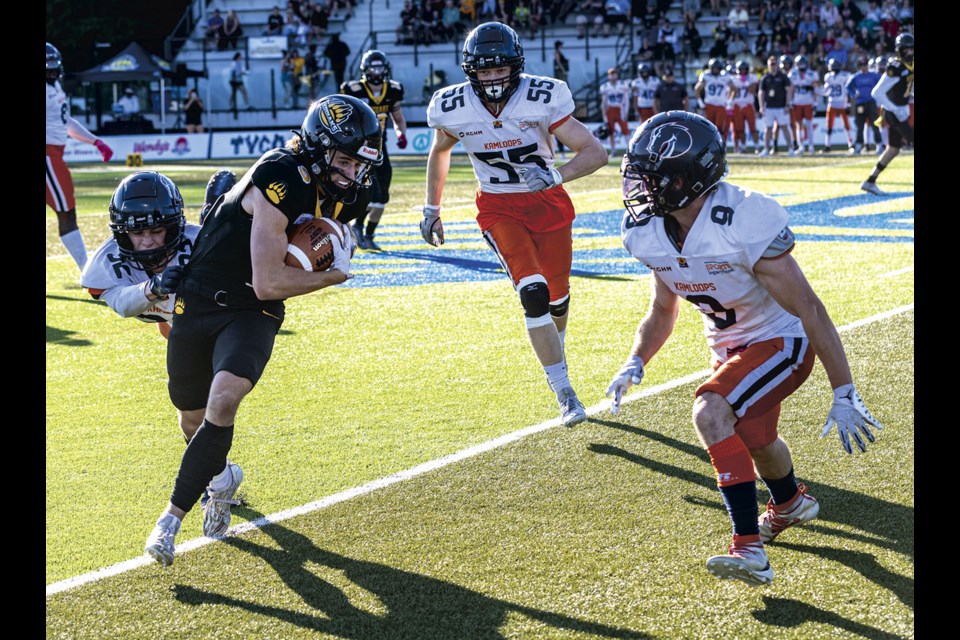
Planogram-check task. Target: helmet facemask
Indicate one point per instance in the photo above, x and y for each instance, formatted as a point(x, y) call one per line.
point(490, 46)
point(141, 203)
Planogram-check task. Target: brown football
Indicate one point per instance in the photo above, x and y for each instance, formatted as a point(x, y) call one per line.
point(310, 244)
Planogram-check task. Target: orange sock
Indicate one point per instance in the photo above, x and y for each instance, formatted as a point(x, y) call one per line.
point(732, 462)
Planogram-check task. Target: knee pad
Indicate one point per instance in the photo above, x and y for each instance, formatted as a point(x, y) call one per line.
point(559, 309)
point(534, 296)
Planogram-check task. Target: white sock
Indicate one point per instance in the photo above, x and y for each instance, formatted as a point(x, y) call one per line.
point(885, 134)
point(73, 241)
point(557, 376)
point(563, 335)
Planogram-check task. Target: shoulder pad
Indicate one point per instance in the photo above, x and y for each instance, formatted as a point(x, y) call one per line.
point(780, 245)
point(395, 84)
point(354, 85)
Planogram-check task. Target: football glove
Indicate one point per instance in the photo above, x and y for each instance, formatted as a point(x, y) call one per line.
point(630, 374)
point(538, 179)
point(349, 240)
point(431, 225)
point(163, 284)
point(343, 252)
point(104, 150)
point(851, 417)
point(401, 141)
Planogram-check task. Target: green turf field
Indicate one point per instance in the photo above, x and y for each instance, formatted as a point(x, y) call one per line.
point(599, 531)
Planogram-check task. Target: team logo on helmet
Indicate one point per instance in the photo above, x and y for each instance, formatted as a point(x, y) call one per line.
point(333, 112)
point(669, 140)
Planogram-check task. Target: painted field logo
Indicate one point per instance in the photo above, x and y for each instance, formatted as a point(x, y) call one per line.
point(718, 268)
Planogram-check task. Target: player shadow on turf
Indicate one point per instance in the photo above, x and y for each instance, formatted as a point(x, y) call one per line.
point(63, 338)
point(786, 613)
point(889, 525)
point(416, 606)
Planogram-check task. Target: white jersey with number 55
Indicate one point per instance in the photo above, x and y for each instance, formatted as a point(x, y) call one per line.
point(520, 137)
point(714, 269)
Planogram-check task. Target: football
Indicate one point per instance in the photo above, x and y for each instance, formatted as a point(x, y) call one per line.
point(310, 244)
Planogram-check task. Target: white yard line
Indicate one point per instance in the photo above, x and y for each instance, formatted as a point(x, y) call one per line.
point(413, 472)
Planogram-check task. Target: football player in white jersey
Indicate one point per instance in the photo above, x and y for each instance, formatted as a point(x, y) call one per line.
point(713, 87)
point(727, 250)
point(834, 89)
point(60, 125)
point(644, 86)
point(805, 83)
point(743, 92)
point(614, 105)
point(507, 121)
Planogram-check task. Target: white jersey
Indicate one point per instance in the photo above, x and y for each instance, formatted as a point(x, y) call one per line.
point(58, 112)
point(715, 88)
point(617, 95)
point(109, 277)
point(519, 137)
point(714, 270)
point(644, 90)
point(741, 84)
point(834, 88)
point(802, 82)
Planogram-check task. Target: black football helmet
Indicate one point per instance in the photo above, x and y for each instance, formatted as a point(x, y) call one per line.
point(903, 42)
point(147, 200)
point(54, 64)
point(645, 70)
point(834, 65)
point(374, 67)
point(802, 63)
point(743, 67)
point(673, 158)
point(348, 125)
point(492, 45)
point(715, 65)
point(786, 62)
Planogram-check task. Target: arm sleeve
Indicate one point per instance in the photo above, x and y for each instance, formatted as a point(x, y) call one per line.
point(879, 92)
point(128, 301)
point(79, 132)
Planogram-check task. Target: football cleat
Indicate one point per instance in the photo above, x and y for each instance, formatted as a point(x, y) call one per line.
point(871, 187)
point(216, 512)
point(357, 233)
point(764, 153)
point(160, 543)
point(773, 521)
point(571, 409)
point(794, 152)
point(746, 561)
point(370, 244)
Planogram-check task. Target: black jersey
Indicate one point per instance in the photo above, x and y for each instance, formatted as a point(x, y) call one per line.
point(384, 99)
point(222, 254)
point(899, 93)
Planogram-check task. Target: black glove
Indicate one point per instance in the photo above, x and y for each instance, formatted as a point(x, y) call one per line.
point(163, 284)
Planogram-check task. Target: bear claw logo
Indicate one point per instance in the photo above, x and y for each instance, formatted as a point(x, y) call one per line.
point(333, 113)
point(178, 306)
point(277, 191)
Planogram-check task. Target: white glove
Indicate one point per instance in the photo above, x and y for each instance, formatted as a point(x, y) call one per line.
point(902, 113)
point(349, 240)
point(631, 373)
point(343, 251)
point(431, 225)
point(538, 179)
point(851, 416)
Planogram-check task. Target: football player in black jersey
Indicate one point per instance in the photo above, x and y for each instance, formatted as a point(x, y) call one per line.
point(384, 96)
point(893, 94)
point(229, 303)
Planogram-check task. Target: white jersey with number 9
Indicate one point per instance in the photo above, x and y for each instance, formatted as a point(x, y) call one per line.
point(520, 137)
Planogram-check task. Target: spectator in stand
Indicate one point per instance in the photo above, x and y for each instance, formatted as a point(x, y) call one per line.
point(589, 11)
point(782, 37)
point(666, 41)
point(807, 24)
point(690, 39)
point(275, 23)
point(193, 112)
point(829, 41)
point(521, 17)
point(721, 36)
point(288, 81)
point(650, 19)
point(488, 9)
point(450, 20)
point(850, 14)
point(468, 13)
point(406, 31)
point(670, 95)
point(319, 21)
point(890, 21)
point(844, 46)
point(905, 15)
point(128, 106)
point(214, 31)
point(503, 13)
point(617, 12)
point(237, 72)
point(865, 39)
point(297, 62)
point(715, 6)
point(647, 51)
point(232, 29)
point(336, 6)
point(290, 29)
point(773, 10)
point(736, 47)
point(538, 14)
point(739, 19)
point(829, 15)
point(689, 8)
point(337, 52)
point(761, 46)
point(561, 65)
point(871, 17)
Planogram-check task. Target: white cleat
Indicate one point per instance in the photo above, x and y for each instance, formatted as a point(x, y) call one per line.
point(871, 187)
point(746, 562)
point(216, 512)
point(571, 409)
point(160, 543)
point(773, 521)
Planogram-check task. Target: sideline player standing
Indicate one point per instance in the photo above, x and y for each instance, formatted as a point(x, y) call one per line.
point(230, 302)
point(614, 104)
point(384, 96)
point(743, 92)
point(835, 90)
point(727, 250)
point(804, 83)
point(644, 86)
point(713, 87)
point(893, 94)
point(506, 120)
point(60, 125)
